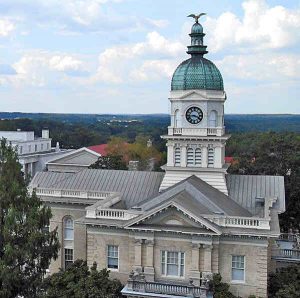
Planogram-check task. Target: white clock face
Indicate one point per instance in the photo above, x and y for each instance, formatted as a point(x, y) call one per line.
point(194, 115)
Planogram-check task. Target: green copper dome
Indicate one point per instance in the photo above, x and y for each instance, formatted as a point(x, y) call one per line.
point(197, 28)
point(197, 72)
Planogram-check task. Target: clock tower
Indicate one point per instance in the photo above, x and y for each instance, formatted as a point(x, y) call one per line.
point(196, 136)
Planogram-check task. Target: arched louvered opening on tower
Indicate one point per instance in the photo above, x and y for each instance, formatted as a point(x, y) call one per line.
point(177, 156)
point(190, 156)
point(198, 157)
point(210, 157)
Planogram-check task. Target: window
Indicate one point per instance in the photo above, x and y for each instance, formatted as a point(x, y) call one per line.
point(68, 229)
point(172, 263)
point(238, 268)
point(112, 257)
point(35, 148)
point(68, 257)
point(177, 156)
point(213, 119)
point(42, 147)
point(29, 148)
point(21, 149)
point(190, 156)
point(47, 146)
point(210, 157)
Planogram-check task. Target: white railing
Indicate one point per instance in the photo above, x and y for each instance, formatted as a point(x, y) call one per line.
point(73, 193)
point(286, 254)
point(111, 214)
point(241, 222)
point(214, 131)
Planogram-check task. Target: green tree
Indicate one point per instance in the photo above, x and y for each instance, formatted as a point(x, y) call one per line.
point(285, 283)
point(109, 162)
point(26, 247)
point(271, 154)
point(219, 288)
point(81, 281)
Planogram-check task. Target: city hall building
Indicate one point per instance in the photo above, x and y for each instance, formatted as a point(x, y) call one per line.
point(164, 234)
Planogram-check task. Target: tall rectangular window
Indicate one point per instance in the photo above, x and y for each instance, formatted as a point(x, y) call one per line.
point(35, 148)
point(113, 257)
point(172, 263)
point(69, 259)
point(238, 268)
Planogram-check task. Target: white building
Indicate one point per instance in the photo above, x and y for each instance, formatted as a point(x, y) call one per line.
point(34, 152)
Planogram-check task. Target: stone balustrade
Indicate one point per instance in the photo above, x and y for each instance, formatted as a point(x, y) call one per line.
point(283, 253)
point(140, 285)
point(118, 214)
point(72, 193)
point(207, 131)
point(241, 222)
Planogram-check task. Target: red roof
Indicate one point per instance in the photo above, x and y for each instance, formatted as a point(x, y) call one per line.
point(228, 159)
point(100, 149)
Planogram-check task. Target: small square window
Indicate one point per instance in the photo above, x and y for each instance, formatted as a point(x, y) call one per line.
point(113, 257)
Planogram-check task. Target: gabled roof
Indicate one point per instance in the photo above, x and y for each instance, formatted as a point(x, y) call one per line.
point(199, 196)
point(244, 189)
point(82, 157)
point(178, 202)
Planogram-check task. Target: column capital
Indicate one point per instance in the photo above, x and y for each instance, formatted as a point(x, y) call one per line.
point(207, 246)
point(138, 241)
point(149, 242)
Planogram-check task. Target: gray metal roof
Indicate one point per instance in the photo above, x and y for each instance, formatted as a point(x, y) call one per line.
point(48, 179)
point(244, 189)
point(204, 194)
point(134, 186)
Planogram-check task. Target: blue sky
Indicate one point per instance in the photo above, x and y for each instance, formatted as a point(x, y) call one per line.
point(118, 56)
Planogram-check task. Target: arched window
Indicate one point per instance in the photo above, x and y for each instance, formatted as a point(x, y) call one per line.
point(190, 156)
point(176, 119)
point(68, 241)
point(68, 228)
point(213, 119)
point(177, 156)
point(198, 157)
point(210, 157)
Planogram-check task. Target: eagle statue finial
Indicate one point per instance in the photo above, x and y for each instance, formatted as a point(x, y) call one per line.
point(197, 17)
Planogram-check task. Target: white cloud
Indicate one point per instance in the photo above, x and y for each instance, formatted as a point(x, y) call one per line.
point(6, 27)
point(261, 27)
point(117, 62)
point(40, 67)
point(261, 67)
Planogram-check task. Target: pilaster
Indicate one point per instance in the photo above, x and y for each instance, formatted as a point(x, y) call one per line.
point(207, 253)
point(138, 255)
point(149, 266)
point(204, 157)
point(170, 160)
point(195, 273)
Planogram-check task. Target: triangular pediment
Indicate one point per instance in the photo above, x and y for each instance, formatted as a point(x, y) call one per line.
point(173, 217)
point(83, 156)
point(193, 95)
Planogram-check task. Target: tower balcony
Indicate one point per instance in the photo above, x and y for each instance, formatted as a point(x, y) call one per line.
point(205, 131)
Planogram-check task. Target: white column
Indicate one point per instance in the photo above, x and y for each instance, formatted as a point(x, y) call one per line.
point(183, 156)
point(204, 157)
point(170, 158)
point(218, 157)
